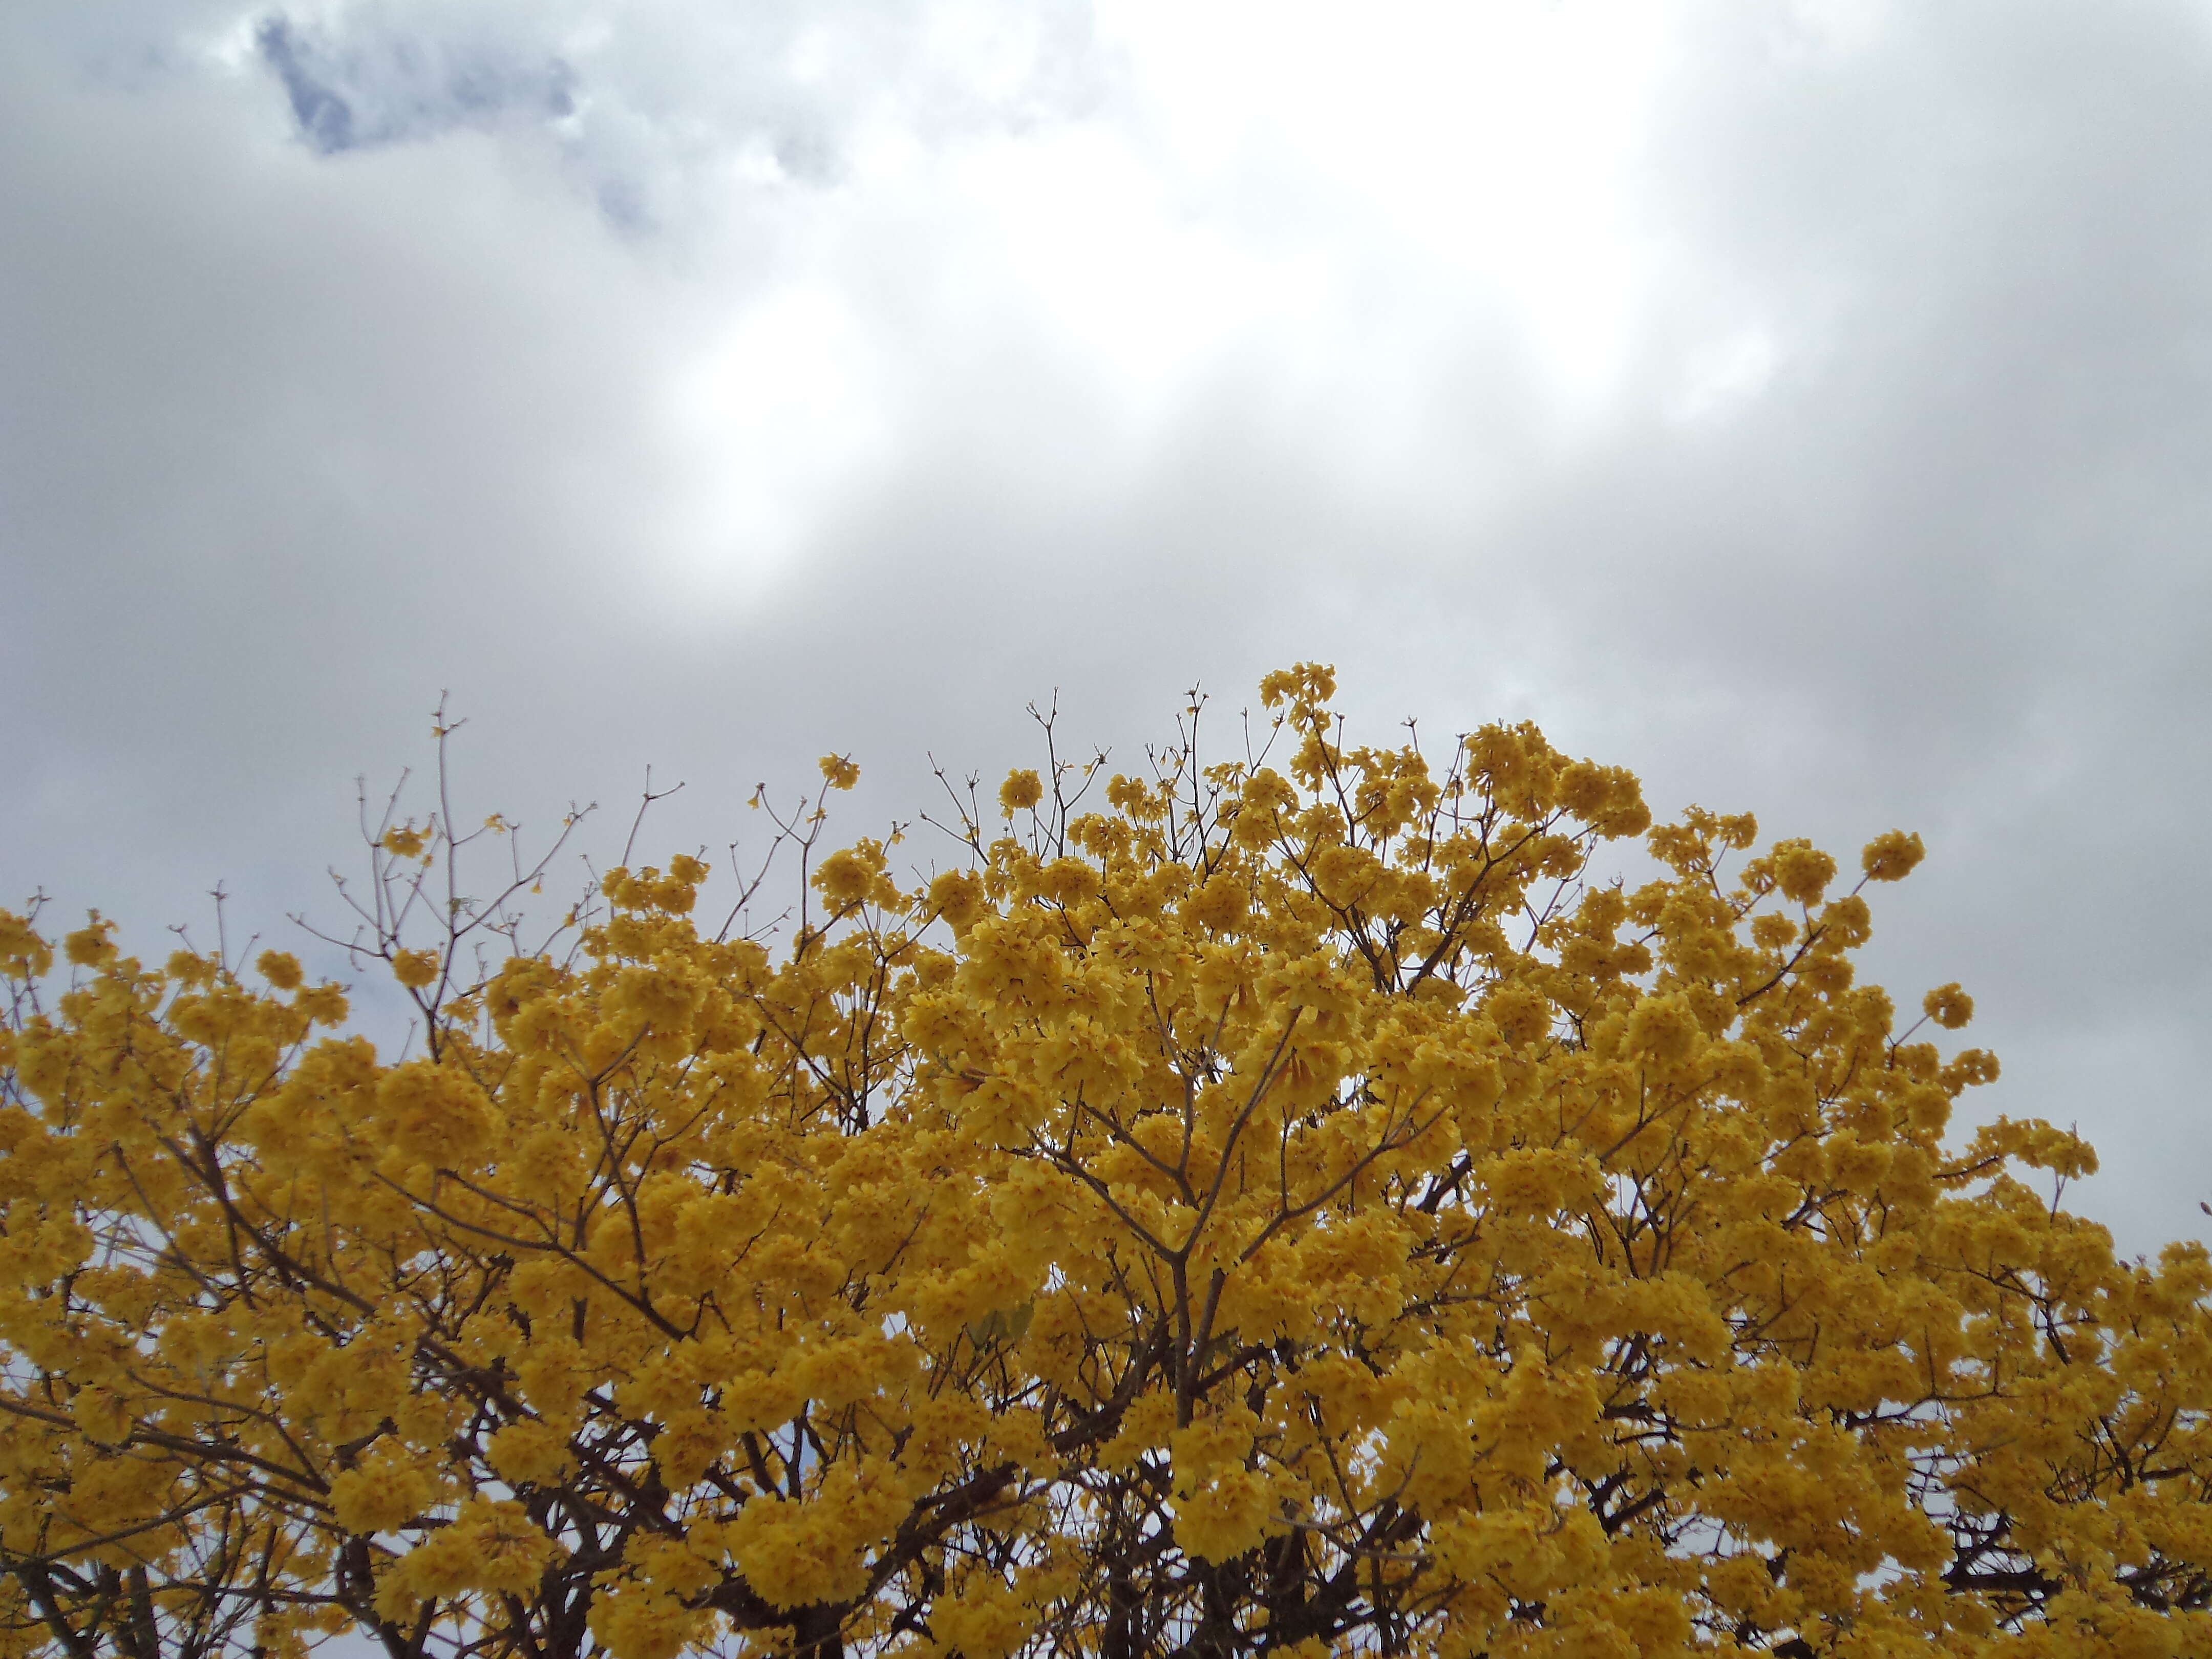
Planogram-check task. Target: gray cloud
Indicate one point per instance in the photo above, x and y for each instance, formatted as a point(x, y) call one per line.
point(397, 89)
point(945, 356)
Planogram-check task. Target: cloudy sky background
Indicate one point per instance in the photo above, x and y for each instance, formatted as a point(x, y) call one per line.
point(1807, 404)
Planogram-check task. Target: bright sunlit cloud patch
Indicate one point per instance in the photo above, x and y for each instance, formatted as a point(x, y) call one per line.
point(778, 412)
point(1348, 219)
point(1492, 144)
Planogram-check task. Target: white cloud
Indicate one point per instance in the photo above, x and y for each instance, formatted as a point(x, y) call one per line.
point(780, 412)
point(1719, 378)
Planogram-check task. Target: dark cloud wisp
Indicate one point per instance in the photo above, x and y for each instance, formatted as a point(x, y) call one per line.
point(367, 92)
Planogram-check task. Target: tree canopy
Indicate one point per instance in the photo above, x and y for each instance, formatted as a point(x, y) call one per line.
point(1302, 1205)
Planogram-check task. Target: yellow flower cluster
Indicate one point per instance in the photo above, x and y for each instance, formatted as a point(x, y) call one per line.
point(1297, 1207)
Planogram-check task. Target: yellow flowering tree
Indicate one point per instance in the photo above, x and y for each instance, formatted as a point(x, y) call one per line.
point(1291, 1206)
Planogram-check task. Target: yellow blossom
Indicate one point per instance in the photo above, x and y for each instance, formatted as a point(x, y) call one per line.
point(1949, 1006)
point(1335, 1205)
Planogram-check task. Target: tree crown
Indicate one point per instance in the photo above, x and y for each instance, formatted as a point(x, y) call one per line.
point(1288, 1205)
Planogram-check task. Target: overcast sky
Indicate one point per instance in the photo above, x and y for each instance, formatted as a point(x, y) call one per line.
point(1809, 405)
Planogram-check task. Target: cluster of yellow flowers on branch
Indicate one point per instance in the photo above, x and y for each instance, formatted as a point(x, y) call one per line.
point(1285, 1206)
